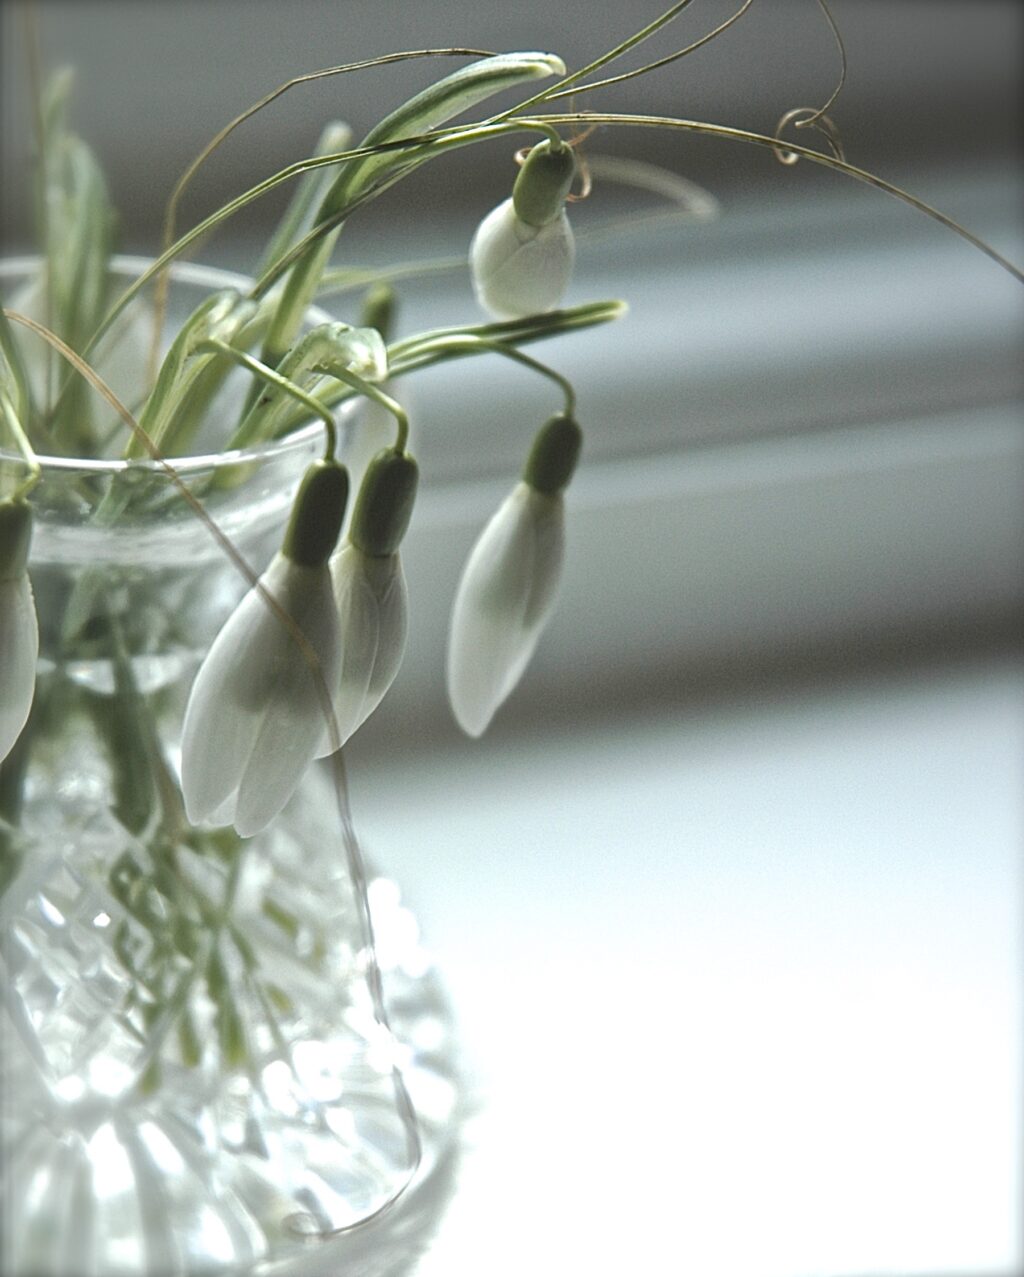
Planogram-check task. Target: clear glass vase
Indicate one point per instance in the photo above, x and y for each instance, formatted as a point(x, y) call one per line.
point(196, 1067)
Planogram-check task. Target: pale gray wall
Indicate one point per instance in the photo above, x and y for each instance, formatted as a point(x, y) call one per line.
point(930, 81)
point(816, 324)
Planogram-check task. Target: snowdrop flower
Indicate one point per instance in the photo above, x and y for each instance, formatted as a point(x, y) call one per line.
point(522, 254)
point(370, 592)
point(372, 602)
point(519, 269)
point(510, 581)
point(255, 714)
point(19, 629)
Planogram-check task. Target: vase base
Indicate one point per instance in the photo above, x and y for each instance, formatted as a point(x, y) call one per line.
point(197, 1163)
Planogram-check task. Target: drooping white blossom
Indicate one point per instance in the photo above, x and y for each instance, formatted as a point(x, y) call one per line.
point(19, 646)
point(255, 714)
point(503, 601)
point(258, 705)
point(19, 628)
point(517, 268)
point(372, 602)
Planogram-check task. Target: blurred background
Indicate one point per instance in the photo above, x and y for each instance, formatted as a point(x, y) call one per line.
point(729, 896)
point(852, 366)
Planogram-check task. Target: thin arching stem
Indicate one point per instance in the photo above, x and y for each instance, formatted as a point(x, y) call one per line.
point(470, 342)
point(817, 115)
point(659, 62)
point(636, 38)
point(803, 152)
point(441, 139)
point(251, 364)
point(370, 391)
point(183, 182)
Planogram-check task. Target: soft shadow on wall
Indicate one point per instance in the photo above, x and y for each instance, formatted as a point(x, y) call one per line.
point(929, 83)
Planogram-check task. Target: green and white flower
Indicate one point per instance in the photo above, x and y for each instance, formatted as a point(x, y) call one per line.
point(19, 629)
point(522, 254)
point(370, 592)
point(503, 601)
point(509, 584)
point(257, 709)
point(519, 269)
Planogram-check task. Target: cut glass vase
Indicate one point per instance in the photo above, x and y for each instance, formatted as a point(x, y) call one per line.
point(197, 1073)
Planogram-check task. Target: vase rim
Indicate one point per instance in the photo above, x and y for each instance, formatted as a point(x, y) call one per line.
point(194, 273)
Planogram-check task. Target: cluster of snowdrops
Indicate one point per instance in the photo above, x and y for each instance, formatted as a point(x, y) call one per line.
point(316, 643)
point(314, 646)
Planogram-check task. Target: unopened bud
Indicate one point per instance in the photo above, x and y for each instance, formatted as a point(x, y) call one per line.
point(384, 505)
point(553, 456)
point(15, 536)
point(543, 183)
point(317, 515)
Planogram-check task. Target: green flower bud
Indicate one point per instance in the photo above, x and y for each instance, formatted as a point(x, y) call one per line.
point(554, 454)
point(317, 515)
point(543, 183)
point(384, 505)
point(15, 536)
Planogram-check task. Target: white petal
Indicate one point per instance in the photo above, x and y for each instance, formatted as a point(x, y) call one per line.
point(387, 615)
point(520, 269)
point(255, 675)
point(225, 813)
point(504, 599)
point(548, 550)
point(388, 582)
point(359, 613)
point(19, 647)
point(219, 724)
point(372, 603)
point(282, 750)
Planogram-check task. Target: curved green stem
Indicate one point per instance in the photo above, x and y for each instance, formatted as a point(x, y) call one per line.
point(562, 92)
point(440, 141)
point(170, 213)
point(631, 42)
point(803, 152)
point(375, 393)
point(425, 147)
point(222, 214)
point(272, 378)
point(427, 349)
point(469, 341)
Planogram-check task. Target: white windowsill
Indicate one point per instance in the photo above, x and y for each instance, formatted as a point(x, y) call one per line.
point(738, 985)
